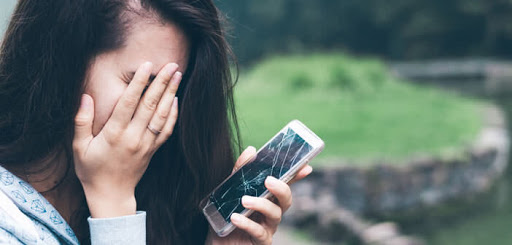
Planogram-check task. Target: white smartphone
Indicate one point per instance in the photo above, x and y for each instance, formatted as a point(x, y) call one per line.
point(282, 157)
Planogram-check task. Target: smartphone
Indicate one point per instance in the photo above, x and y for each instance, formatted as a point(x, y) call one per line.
point(282, 157)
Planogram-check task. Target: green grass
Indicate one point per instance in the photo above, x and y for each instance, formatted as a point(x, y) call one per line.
point(355, 106)
point(490, 229)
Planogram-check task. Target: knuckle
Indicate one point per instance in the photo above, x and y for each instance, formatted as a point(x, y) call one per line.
point(261, 234)
point(111, 140)
point(133, 147)
point(112, 134)
point(112, 130)
point(147, 148)
point(76, 147)
point(166, 78)
point(151, 103)
point(279, 215)
point(81, 120)
point(173, 89)
point(130, 101)
point(278, 219)
point(162, 115)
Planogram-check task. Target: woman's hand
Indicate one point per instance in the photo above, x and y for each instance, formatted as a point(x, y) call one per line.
point(261, 226)
point(110, 164)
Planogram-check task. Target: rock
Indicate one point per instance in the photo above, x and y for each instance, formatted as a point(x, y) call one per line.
point(380, 232)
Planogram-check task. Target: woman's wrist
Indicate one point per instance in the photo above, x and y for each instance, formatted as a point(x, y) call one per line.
point(110, 204)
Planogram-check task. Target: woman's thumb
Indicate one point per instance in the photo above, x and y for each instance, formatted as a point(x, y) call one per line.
point(83, 120)
point(247, 156)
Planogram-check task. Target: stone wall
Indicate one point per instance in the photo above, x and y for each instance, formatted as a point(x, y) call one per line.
point(387, 188)
point(470, 76)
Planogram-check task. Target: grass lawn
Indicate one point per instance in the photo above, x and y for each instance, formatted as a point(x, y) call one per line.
point(488, 229)
point(355, 106)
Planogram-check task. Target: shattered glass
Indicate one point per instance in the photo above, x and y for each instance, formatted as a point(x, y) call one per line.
point(281, 154)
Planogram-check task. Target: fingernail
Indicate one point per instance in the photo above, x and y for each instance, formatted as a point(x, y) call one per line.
point(172, 68)
point(309, 169)
point(272, 181)
point(178, 76)
point(236, 217)
point(175, 102)
point(147, 66)
point(247, 200)
point(85, 102)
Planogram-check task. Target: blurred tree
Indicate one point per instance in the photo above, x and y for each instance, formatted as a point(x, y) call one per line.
point(498, 25)
point(395, 29)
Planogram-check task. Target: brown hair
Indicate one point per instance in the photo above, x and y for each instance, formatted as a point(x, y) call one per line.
point(44, 57)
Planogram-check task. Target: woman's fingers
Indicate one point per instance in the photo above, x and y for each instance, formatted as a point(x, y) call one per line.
point(270, 210)
point(163, 111)
point(151, 99)
point(247, 156)
point(169, 125)
point(125, 107)
point(258, 234)
point(281, 191)
point(305, 171)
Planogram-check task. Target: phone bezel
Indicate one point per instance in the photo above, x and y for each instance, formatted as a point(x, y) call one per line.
point(217, 221)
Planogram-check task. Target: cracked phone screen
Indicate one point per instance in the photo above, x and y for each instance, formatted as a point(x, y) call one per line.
point(281, 154)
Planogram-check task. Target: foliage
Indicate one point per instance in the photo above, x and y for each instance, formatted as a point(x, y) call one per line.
point(397, 29)
point(355, 105)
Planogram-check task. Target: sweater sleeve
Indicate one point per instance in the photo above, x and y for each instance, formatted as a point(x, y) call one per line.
point(119, 230)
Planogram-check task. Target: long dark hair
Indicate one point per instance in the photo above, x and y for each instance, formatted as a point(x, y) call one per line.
point(44, 57)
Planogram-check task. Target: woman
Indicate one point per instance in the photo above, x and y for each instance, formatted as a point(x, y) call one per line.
point(91, 125)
